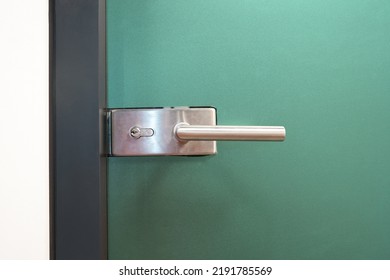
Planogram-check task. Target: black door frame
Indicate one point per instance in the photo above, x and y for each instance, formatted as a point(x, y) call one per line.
point(78, 204)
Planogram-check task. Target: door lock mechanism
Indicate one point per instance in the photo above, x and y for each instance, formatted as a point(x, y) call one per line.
point(176, 131)
point(138, 132)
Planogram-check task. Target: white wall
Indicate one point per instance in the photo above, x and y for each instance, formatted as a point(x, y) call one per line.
point(24, 159)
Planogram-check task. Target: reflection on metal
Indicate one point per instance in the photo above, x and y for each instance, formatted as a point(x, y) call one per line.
point(177, 131)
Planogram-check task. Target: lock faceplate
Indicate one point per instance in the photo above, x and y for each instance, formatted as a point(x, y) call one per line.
point(151, 131)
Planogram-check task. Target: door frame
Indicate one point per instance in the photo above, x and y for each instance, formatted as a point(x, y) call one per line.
point(77, 103)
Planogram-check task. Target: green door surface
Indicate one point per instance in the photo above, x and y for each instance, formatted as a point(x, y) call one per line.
point(320, 68)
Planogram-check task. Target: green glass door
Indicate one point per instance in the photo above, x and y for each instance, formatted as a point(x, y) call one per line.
point(320, 68)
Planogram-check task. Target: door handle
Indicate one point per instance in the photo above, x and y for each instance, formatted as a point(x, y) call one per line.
point(229, 133)
point(177, 131)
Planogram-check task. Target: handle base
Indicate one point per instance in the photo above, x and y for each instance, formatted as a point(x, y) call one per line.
point(150, 131)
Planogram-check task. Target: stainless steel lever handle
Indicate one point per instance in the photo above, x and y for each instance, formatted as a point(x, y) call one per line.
point(176, 131)
point(229, 133)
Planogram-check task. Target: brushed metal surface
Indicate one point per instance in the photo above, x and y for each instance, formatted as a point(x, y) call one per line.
point(162, 121)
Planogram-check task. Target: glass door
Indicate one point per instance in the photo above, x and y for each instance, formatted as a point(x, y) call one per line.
point(320, 68)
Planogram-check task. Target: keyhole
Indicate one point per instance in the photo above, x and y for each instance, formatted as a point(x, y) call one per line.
point(137, 132)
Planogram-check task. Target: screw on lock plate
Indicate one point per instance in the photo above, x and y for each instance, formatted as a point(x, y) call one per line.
point(138, 132)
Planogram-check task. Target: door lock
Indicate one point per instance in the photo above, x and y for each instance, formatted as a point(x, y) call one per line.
point(138, 132)
point(176, 131)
